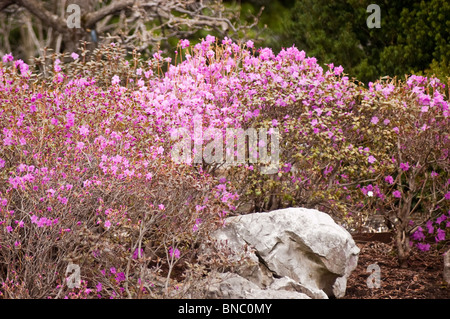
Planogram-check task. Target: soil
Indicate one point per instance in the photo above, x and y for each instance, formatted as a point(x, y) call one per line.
point(423, 279)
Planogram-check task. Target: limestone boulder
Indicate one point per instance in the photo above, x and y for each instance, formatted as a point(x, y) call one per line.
point(304, 245)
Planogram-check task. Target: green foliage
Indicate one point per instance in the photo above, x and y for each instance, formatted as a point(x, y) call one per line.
point(413, 38)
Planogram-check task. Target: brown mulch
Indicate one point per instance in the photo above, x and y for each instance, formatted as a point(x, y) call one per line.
point(423, 279)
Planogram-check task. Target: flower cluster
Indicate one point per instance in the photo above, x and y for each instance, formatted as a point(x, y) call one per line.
point(86, 170)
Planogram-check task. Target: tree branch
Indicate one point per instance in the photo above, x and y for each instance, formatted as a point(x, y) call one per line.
point(46, 17)
point(115, 6)
point(5, 3)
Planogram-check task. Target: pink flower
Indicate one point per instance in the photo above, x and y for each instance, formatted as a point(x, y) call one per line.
point(174, 252)
point(9, 229)
point(371, 159)
point(74, 55)
point(8, 58)
point(70, 118)
point(184, 43)
point(389, 179)
point(107, 224)
point(136, 253)
point(397, 194)
point(80, 145)
point(249, 44)
point(161, 206)
point(99, 287)
point(211, 39)
point(418, 234)
point(447, 196)
point(440, 235)
point(423, 247)
point(404, 166)
point(115, 80)
point(84, 130)
point(374, 120)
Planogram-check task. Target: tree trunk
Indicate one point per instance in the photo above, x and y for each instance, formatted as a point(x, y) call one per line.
point(403, 248)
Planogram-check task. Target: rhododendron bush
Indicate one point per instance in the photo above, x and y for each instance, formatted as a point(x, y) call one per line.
point(87, 174)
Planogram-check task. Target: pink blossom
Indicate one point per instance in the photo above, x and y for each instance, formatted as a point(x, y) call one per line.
point(404, 166)
point(84, 130)
point(115, 80)
point(184, 43)
point(8, 58)
point(174, 252)
point(397, 194)
point(374, 120)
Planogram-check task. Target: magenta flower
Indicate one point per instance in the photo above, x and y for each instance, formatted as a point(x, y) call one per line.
point(440, 235)
point(174, 252)
point(84, 130)
point(447, 196)
point(441, 218)
point(107, 224)
point(136, 253)
point(397, 194)
point(430, 227)
point(120, 277)
point(404, 166)
point(389, 179)
point(8, 58)
point(184, 43)
point(423, 247)
point(70, 118)
point(418, 234)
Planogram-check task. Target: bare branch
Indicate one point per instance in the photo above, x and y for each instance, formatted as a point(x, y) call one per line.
point(115, 6)
point(46, 17)
point(5, 3)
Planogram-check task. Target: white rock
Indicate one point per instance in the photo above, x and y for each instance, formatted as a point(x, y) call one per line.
point(233, 286)
point(304, 245)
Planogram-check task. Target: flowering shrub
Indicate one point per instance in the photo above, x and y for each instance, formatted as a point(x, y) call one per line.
point(84, 180)
point(87, 174)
